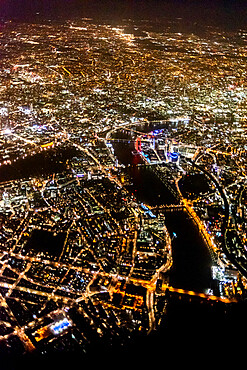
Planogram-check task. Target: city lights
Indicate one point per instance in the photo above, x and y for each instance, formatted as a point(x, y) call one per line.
point(123, 162)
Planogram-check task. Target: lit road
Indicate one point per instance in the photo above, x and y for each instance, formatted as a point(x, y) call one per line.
point(228, 246)
point(53, 293)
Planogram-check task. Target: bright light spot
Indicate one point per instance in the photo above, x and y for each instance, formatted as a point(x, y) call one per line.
point(60, 326)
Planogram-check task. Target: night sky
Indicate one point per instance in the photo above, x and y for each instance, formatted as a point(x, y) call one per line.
point(230, 14)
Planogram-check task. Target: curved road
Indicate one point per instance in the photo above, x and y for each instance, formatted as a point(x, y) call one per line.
point(229, 233)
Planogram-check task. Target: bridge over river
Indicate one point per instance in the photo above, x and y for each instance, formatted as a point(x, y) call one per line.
point(169, 207)
point(197, 294)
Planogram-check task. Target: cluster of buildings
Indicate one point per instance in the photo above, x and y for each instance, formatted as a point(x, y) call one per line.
point(217, 167)
point(79, 256)
point(106, 74)
point(65, 238)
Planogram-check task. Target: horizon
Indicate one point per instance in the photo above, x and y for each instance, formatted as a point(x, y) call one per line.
point(225, 13)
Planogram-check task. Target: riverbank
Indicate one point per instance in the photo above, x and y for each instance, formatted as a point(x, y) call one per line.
point(192, 261)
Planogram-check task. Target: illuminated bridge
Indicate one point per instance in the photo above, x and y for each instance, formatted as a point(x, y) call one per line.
point(151, 287)
point(197, 294)
point(170, 207)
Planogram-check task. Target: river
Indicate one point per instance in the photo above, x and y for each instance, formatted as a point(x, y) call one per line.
point(191, 259)
point(189, 325)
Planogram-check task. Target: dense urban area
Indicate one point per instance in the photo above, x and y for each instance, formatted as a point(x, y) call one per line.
point(85, 260)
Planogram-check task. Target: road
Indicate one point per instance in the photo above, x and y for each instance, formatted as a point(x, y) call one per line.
point(200, 295)
point(54, 294)
point(229, 248)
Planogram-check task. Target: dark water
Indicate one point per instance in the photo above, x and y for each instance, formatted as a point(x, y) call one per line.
point(191, 326)
point(43, 163)
point(148, 188)
point(191, 259)
point(192, 262)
